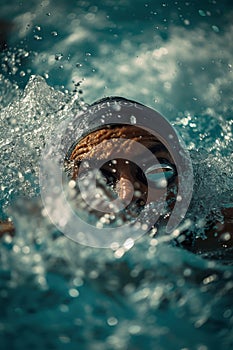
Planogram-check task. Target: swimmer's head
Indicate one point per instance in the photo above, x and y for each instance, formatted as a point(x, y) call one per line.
point(119, 167)
point(138, 154)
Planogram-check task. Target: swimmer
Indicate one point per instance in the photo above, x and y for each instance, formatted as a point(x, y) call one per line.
point(121, 174)
point(127, 180)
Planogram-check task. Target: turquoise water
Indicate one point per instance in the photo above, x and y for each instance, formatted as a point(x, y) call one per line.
point(173, 56)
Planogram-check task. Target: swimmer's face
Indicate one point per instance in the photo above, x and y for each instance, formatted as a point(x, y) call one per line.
point(129, 181)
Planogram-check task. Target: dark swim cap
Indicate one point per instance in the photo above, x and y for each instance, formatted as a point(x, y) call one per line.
point(113, 111)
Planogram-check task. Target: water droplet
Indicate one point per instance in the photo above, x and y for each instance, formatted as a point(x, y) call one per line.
point(202, 13)
point(112, 321)
point(64, 339)
point(133, 119)
point(119, 253)
point(26, 250)
point(215, 29)
point(134, 329)
point(225, 236)
point(37, 37)
point(74, 293)
point(116, 107)
point(128, 244)
point(58, 56)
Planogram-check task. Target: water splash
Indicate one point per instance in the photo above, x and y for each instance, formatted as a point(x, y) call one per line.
point(55, 293)
point(25, 124)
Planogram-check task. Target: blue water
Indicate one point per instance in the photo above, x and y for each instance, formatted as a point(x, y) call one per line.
point(173, 56)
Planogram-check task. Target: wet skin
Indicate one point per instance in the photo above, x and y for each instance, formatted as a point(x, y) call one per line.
point(124, 176)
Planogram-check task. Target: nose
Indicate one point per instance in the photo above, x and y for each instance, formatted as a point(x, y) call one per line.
point(125, 187)
point(128, 188)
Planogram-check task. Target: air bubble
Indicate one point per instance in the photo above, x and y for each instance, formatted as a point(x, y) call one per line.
point(37, 37)
point(74, 293)
point(215, 29)
point(202, 13)
point(58, 56)
point(116, 107)
point(112, 321)
point(129, 243)
point(133, 119)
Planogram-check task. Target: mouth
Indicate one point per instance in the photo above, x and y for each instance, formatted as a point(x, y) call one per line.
point(98, 202)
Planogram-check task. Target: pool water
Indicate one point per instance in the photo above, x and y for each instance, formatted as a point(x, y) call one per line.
point(173, 56)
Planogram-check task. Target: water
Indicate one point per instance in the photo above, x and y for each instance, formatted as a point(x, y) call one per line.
point(177, 58)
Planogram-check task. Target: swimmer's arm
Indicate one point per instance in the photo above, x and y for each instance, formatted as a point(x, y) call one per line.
point(219, 236)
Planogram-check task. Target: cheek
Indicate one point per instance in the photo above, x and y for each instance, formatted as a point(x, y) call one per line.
point(167, 194)
point(125, 190)
point(155, 195)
